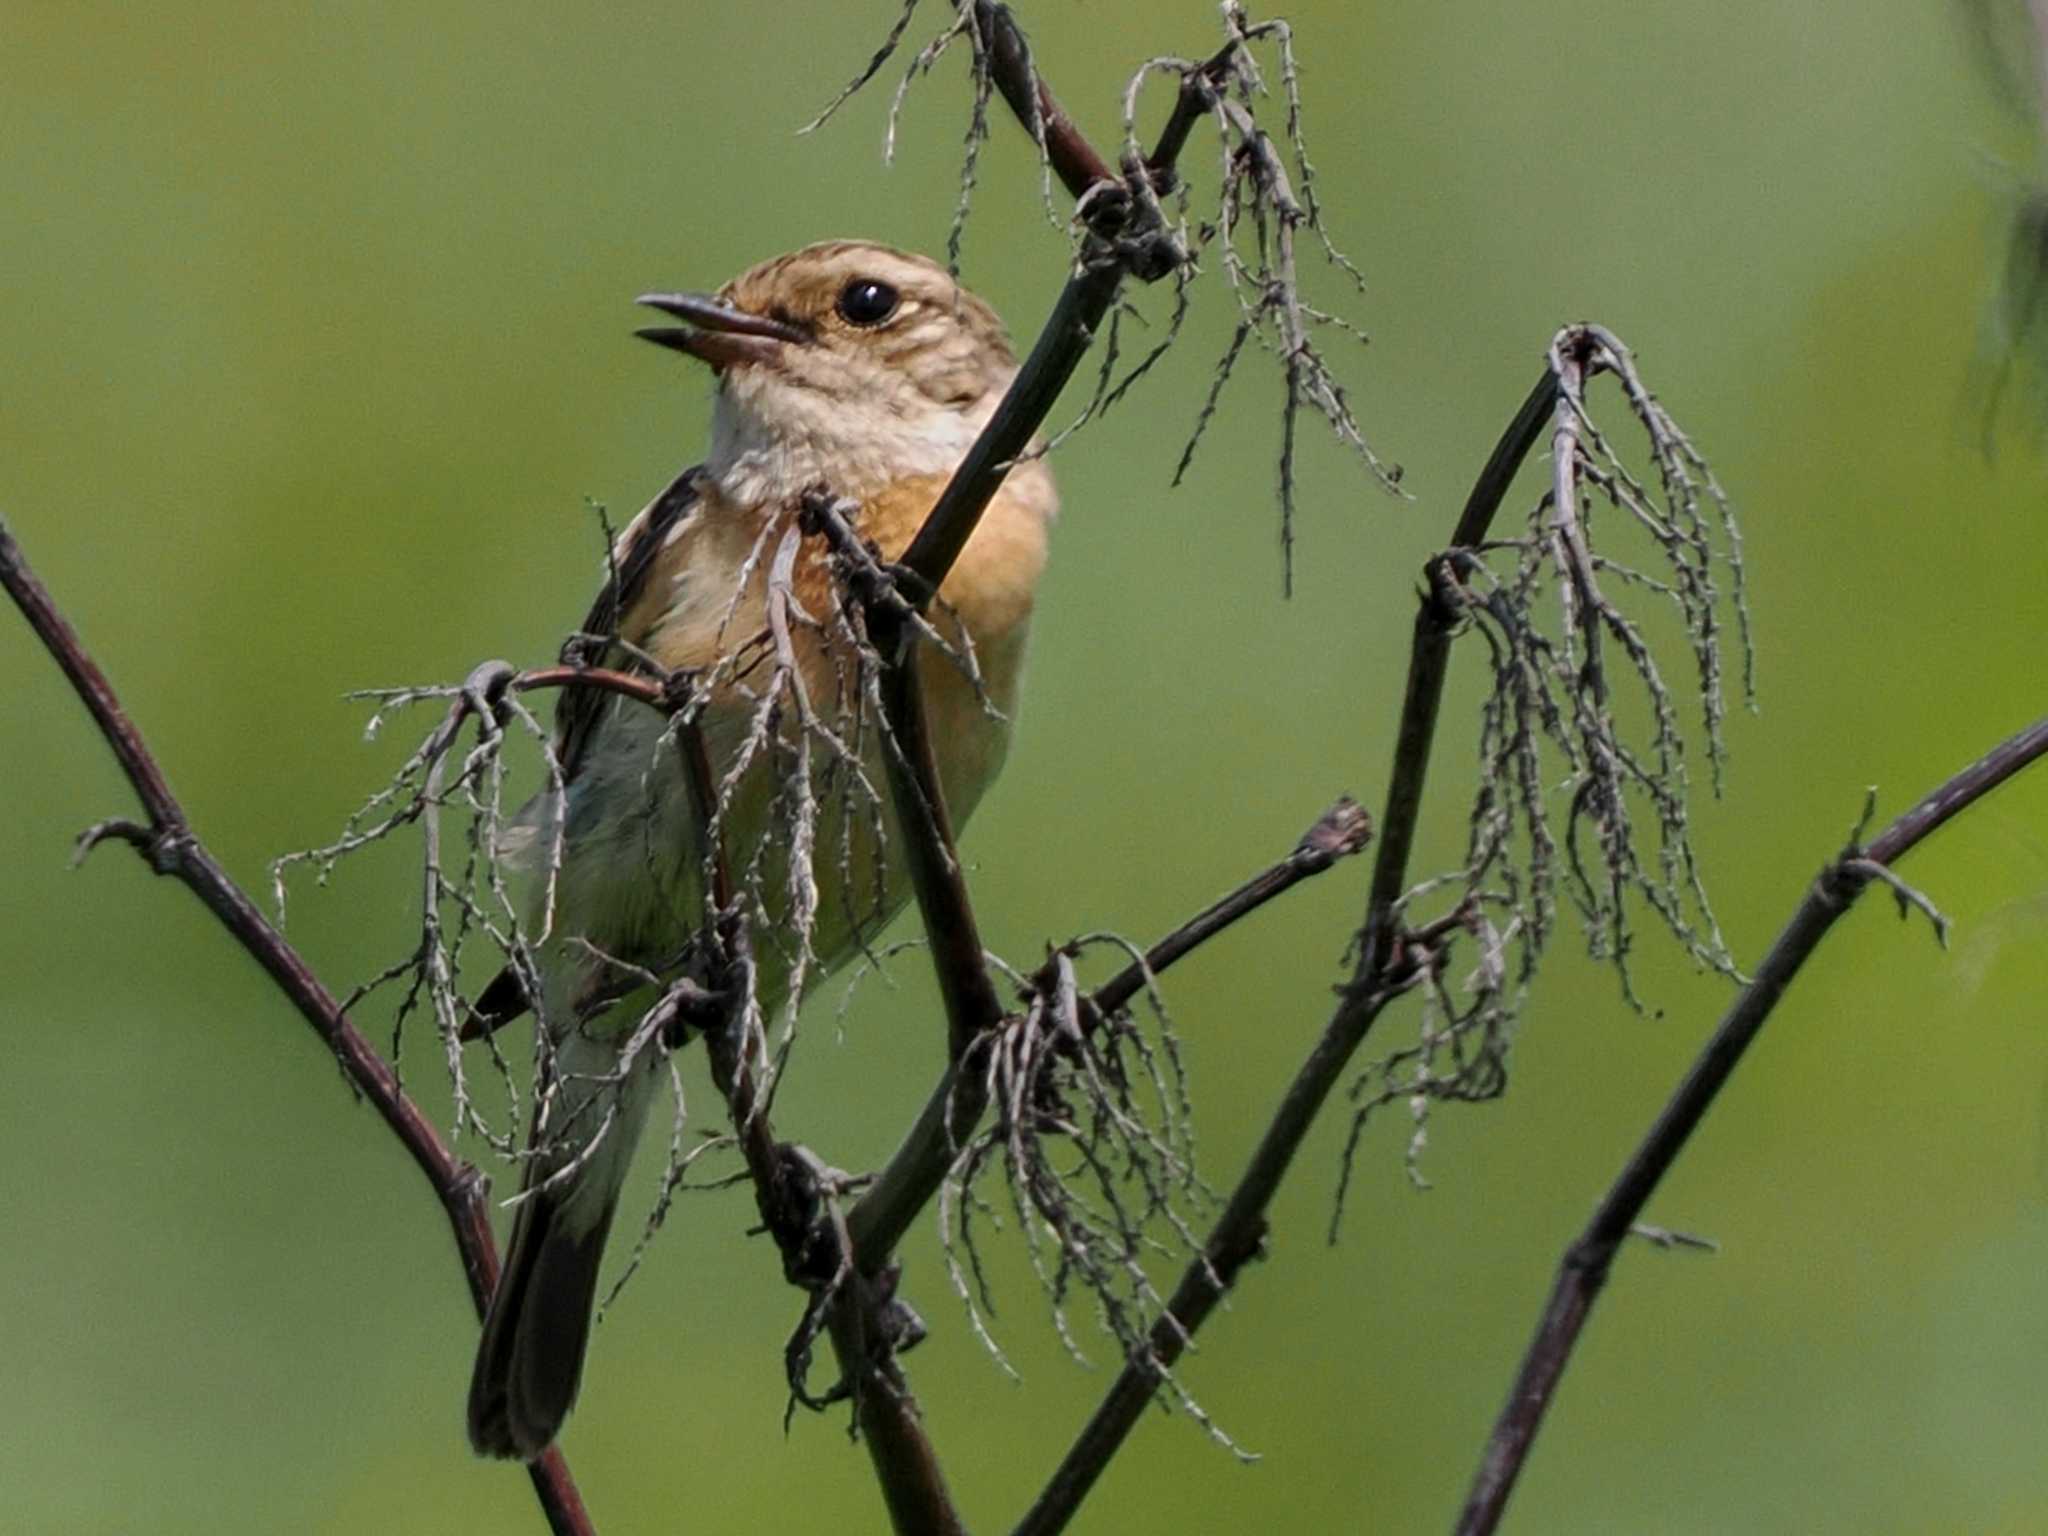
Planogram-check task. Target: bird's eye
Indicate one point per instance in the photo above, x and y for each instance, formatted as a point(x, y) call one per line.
point(865, 301)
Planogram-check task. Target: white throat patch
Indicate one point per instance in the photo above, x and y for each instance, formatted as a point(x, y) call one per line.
point(771, 440)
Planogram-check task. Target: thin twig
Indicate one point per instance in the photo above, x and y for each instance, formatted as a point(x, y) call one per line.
point(1342, 830)
point(168, 844)
point(1586, 1263)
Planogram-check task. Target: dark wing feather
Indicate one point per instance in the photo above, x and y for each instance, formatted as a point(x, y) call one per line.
point(580, 709)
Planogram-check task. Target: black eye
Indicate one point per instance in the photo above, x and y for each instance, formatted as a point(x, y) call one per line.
point(864, 301)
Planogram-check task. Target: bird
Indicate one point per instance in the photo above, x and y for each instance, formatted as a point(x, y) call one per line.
point(848, 366)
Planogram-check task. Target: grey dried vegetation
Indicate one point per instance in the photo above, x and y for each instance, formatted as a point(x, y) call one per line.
point(2009, 371)
point(1576, 791)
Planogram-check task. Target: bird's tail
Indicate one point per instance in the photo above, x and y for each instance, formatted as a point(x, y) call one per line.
point(530, 1358)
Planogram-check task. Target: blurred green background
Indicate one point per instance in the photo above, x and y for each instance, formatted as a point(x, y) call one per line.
point(316, 339)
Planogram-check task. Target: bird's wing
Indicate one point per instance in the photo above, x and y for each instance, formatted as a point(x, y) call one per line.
point(580, 709)
point(577, 714)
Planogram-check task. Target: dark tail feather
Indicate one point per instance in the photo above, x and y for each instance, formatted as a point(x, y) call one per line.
point(531, 1356)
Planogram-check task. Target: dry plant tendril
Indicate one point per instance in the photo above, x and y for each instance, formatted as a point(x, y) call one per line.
point(1579, 791)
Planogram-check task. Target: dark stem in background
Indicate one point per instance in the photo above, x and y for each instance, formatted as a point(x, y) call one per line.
point(1239, 1234)
point(1584, 1268)
point(170, 847)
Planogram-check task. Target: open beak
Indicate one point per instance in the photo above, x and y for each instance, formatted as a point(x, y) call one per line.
point(717, 333)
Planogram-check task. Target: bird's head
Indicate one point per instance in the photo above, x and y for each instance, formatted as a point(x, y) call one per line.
point(848, 363)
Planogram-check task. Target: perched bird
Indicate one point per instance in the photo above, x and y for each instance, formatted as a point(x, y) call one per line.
point(846, 365)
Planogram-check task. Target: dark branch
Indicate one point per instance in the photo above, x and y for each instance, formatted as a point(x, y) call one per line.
point(1342, 830)
point(1239, 1233)
point(893, 622)
point(1125, 237)
point(905, 1463)
point(1428, 662)
point(1586, 1263)
point(797, 1210)
point(1504, 463)
point(1058, 352)
point(1074, 160)
point(1197, 99)
point(972, 1008)
point(171, 848)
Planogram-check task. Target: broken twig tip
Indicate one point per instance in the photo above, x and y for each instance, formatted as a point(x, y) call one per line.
point(1344, 829)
